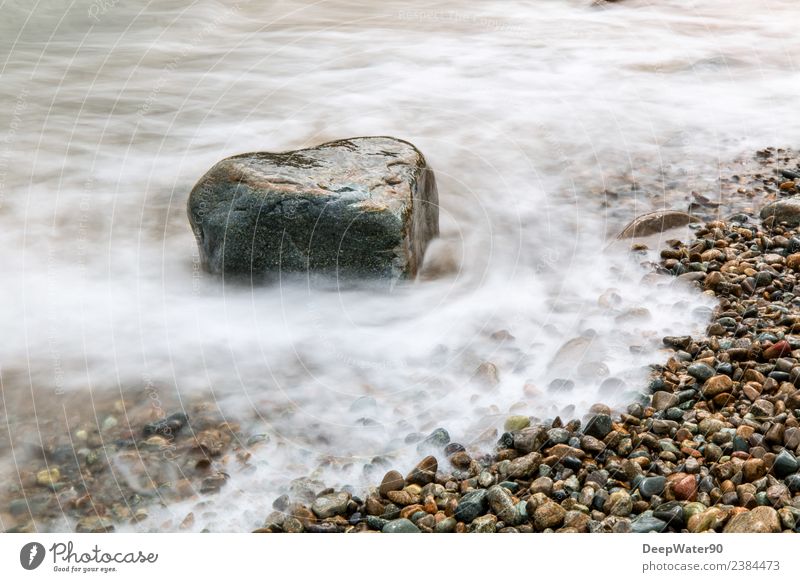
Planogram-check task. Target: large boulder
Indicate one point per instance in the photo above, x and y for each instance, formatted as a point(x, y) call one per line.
point(360, 207)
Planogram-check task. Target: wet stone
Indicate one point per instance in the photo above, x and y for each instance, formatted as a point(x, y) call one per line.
point(330, 505)
point(598, 426)
point(548, 515)
point(785, 464)
point(472, 504)
point(558, 436)
point(647, 523)
point(762, 409)
point(483, 524)
point(502, 504)
point(515, 423)
point(365, 206)
point(758, 520)
point(438, 439)
point(94, 524)
point(793, 483)
point(167, 427)
point(447, 525)
point(400, 526)
point(424, 472)
point(650, 486)
point(717, 385)
point(664, 400)
point(700, 371)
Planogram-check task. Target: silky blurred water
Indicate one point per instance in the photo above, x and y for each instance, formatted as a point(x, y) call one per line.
point(525, 110)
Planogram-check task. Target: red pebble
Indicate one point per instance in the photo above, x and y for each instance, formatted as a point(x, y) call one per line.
point(778, 350)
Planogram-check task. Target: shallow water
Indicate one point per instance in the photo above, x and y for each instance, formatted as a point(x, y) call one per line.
point(527, 111)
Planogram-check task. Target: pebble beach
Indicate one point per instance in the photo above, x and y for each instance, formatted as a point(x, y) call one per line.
point(710, 444)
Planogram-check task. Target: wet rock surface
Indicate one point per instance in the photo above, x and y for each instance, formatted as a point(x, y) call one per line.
point(361, 207)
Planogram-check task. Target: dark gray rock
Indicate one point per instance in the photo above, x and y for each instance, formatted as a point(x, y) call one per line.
point(598, 426)
point(472, 504)
point(650, 486)
point(376, 523)
point(167, 427)
point(438, 439)
point(646, 523)
point(793, 483)
point(785, 464)
point(363, 207)
point(700, 371)
point(400, 526)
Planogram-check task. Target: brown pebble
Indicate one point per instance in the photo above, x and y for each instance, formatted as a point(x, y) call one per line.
point(754, 469)
point(717, 385)
point(392, 481)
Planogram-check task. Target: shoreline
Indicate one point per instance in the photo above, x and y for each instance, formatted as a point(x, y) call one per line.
point(694, 462)
point(712, 448)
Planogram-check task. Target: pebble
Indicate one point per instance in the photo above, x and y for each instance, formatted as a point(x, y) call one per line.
point(619, 503)
point(542, 485)
point(709, 426)
point(684, 487)
point(793, 483)
point(758, 520)
point(700, 371)
point(167, 427)
point(486, 375)
point(647, 523)
point(558, 436)
point(438, 439)
point(650, 486)
point(785, 464)
point(330, 505)
point(400, 526)
point(447, 525)
point(486, 479)
point(515, 423)
point(483, 524)
point(524, 466)
point(94, 524)
point(598, 426)
point(502, 504)
point(717, 385)
point(777, 350)
point(392, 481)
point(472, 504)
point(753, 469)
point(707, 520)
point(762, 408)
point(548, 515)
point(48, 477)
point(663, 400)
point(424, 472)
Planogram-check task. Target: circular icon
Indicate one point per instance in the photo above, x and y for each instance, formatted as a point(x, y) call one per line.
point(31, 555)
